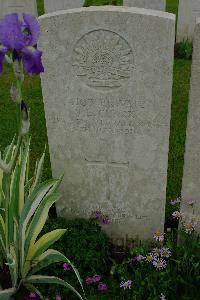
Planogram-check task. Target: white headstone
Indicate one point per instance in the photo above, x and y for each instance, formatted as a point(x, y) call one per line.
point(107, 93)
point(150, 4)
point(19, 6)
point(191, 176)
point(54, 5)
point(189, 10)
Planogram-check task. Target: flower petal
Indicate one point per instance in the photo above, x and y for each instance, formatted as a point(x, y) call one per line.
point(32, 60)
point(3, 51)
point(31, 23)
point(11, 35)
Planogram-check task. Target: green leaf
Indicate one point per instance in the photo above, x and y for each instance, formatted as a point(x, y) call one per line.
point(38, 172)
point(38, 279)
point(6, 294)
point(44, 243)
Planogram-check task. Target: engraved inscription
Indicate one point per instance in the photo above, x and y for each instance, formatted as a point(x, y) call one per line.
point(107, 166)
point(103, 59)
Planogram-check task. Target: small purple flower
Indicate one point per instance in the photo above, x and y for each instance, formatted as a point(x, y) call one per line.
point(96, 278)
point(66, 267)
point(190, 201)
point(102, 287)
point(126, 284)
point(89, 280)
point(178, 215)
point(20, 37)
point(165, 252)
point(107, 221)
point(58, 297)
point(176, 201)
point(158, 236)
point(139, 257)
point(98, 215)
point(159, 263)
point(32, 295)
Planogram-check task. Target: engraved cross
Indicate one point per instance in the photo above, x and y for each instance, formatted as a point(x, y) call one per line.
point(107, 164)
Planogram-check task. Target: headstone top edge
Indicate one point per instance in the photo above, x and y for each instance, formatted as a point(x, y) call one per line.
point(111, 8)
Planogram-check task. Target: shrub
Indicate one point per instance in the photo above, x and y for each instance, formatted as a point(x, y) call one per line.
point(184, 50)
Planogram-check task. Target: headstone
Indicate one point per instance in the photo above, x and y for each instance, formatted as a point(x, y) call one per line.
point(54, 5)
point(107, 93)
point(191, 175)
point(189, 10)
point(150, 4)
point(19, 6)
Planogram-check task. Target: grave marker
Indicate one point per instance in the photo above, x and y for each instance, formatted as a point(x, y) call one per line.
point(149, 4)
point(107, 93)
point(54, 5)
point(19, 6)
point(191, 175)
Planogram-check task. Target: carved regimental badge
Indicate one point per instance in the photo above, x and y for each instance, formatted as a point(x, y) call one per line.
point(103, 59)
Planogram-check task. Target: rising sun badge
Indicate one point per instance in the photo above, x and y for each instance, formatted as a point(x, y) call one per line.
point(103, 59)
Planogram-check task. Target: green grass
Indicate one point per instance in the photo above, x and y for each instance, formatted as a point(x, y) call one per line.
point(33, 95)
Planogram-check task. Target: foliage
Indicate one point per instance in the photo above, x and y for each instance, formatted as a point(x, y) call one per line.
point(178, 279)
point(85, 244)
point(184, 50)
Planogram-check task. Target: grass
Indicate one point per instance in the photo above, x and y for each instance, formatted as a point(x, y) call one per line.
point(33, 95)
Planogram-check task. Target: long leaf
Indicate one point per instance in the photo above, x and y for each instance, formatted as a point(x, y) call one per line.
point(38, 172)
point(23, 172)
point(29, 209)
point(6, 294)
point(39, 220)
point(50, 257)
point(44, 243)
point(37, 279)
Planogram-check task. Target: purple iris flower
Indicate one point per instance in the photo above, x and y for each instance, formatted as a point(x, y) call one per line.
point(20, 35)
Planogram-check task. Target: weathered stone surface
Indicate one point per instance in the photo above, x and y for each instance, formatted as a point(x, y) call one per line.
point(150, 4)
point(191, 176)
point(189, 10)
point(54, 5)
point(19, 6)
point(107, 94)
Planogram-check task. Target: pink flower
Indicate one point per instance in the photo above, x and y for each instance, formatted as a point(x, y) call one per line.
point(139, 257)
point(176, 201)
point(190, 201)
point(126, 284)
point(159, 263)
point(178, 215)
point(58, 297)
point(96, 278)
point(158, 236)
point(107, 221)
point(165, 252)
point(66, 267)
point(89, 280)
point(102, 287)
point(32, 295)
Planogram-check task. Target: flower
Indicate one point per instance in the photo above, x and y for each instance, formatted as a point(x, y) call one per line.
point(66, 267)
point(158, 236)
point(126, 284)
point(98, 215)
point(107, 220)
point(20, 36)
point(139, 257)
point(159, 263)
point(162, 296)
point(190, 201)
point(102, 287)
point(178, 215)
point(165, 252)
point(58, 297)
point(96, 278)
point(89, 280)
point(32, 295)
point(155, 252)
point(149, 258)
point(176, 201)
